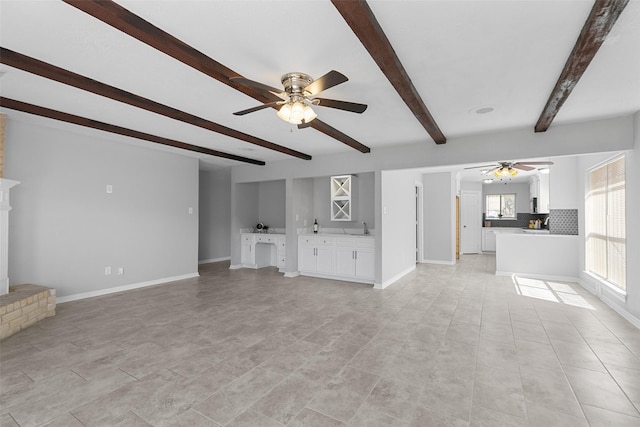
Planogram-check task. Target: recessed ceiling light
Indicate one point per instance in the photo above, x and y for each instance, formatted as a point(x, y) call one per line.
point(484, 110)
point(487, 181)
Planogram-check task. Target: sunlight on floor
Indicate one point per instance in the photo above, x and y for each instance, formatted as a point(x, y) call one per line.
point(561, 293)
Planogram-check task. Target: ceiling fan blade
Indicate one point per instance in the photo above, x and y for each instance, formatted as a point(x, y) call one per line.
point(258, 85)
point(480, 167)
point(341, 105)
point(258, 108)
point(534, 163)
point(523, 167)
point(331, 79)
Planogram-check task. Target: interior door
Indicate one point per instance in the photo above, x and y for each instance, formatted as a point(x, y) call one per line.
point(471, 219)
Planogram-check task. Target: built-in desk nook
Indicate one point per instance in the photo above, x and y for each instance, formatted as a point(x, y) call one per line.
point(259, 250)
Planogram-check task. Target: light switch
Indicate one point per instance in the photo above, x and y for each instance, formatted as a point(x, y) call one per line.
point(190, 211)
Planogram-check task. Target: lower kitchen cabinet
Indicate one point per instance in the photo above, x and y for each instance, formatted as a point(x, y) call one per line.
point(350, 258)
point(316, 254)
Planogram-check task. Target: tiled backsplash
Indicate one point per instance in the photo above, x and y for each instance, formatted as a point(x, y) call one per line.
point(521, 221)
point(563, 221)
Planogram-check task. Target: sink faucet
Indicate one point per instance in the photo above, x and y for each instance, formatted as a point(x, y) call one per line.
point(546, 222)
point(366, 230)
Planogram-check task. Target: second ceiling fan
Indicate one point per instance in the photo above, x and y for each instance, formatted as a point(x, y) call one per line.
point(505, 169)
point(299, 94)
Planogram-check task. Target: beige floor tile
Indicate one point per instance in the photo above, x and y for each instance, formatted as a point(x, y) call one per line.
point(288, 398)
point(549, 389)
point(599, 417)
point(394, 398)
point(598, 389)
point(499, 389)
point(310, 418)
point(444, 345)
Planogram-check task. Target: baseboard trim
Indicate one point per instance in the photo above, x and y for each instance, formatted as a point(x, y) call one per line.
point(235, 266)
point(207, 261)
point(609, 297)
point(436, 261)
point(84, 295)
point(292, 274)
point(395, 278)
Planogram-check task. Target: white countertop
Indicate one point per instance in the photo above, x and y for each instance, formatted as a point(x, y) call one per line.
point(368, 236)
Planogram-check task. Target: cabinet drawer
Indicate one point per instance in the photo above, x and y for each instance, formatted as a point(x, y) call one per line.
point(325, 241)
point(356, 242)
point(265, 239)
point(248, 238)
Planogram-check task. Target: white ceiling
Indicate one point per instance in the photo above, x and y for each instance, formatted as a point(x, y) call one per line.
point(460, 56)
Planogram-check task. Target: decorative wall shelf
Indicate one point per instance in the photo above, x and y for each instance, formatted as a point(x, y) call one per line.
point(342, 204)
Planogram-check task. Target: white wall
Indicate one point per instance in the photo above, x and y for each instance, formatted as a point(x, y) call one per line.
point(271, 203)
point(215, 215)
point(300, 208)
point(363, 197)
point(244, 214)
point(563, 184)
point(398, 237)
point(65, 229)
point(439, 217)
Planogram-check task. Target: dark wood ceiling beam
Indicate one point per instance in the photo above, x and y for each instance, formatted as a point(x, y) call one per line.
point(603, 16)
point(13, 104)
point(366, 27)
point(129, 23)
point(43, 69)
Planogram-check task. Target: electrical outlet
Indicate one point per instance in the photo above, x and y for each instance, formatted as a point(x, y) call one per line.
point(109, 188)
point(190, 211)
point(120, 271)
point(107, 271)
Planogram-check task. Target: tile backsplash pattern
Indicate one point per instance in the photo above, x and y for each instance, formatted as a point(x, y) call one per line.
point(563, 221)
point(521, 221)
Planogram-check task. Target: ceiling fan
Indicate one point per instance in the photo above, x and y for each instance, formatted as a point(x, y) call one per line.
point(299, 94)
point(507, 169)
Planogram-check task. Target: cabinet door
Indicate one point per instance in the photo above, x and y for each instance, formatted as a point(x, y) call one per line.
point(246, 254)
point(345, 262)
point(307, 258)
point(326, 259)
point(489, 241)
point(365, 263)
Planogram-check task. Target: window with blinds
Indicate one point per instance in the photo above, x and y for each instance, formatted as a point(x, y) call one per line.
point(605, 223)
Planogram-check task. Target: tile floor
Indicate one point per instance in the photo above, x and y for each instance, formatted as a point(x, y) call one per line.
point(445, 346)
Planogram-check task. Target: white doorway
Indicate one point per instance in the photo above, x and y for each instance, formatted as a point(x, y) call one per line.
point(470, 222)
point(419, 223)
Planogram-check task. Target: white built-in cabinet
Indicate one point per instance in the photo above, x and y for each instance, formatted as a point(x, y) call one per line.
point(258, 250)
point(349, 258)
point(316, 254)
point(342, 198)
point(539, 188)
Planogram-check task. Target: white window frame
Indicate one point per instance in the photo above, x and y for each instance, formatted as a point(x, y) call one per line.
point(500, 216)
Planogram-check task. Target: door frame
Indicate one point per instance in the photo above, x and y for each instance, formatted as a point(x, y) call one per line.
point(419, 189)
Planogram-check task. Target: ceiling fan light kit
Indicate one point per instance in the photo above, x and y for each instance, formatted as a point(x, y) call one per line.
point(297, 96)
point(505, 172)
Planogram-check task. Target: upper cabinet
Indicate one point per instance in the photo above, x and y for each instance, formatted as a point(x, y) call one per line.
point(539, 188)
point(342, 198)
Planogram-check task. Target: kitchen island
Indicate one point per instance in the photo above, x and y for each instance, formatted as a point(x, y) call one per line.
point(548, 256)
